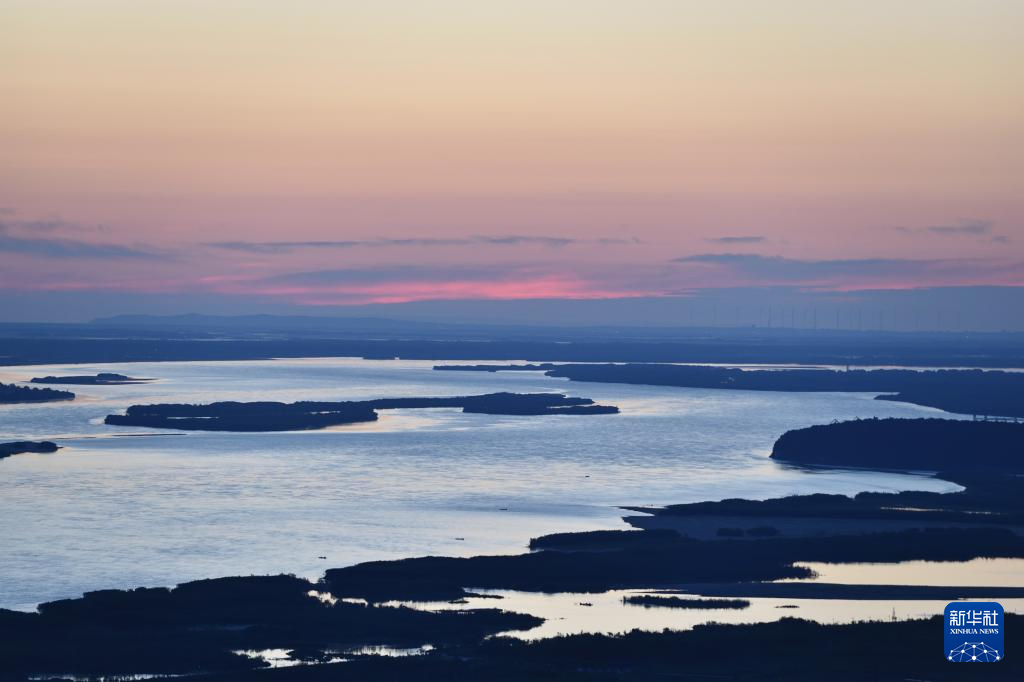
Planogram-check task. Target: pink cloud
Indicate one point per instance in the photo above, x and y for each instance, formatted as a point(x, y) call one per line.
point(541, 287)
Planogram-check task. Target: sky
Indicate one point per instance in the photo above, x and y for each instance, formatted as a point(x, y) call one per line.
point(324, 157)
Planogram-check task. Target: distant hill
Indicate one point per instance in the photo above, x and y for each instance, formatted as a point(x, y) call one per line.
point(263, 322)
point(151, 338)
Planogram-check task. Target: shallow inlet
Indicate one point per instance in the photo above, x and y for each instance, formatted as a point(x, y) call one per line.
point(568, 613)
point(976, 572)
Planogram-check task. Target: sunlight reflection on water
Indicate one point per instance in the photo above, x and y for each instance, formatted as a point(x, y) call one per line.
point(976, 572)
point(567, 613)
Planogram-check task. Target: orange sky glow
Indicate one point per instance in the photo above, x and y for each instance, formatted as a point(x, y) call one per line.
point(554, 148)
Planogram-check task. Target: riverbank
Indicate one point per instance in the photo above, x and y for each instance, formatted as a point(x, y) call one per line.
point(963, 391)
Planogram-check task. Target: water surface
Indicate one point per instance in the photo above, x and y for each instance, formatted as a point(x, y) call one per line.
point(568, 613)
point(123, 507)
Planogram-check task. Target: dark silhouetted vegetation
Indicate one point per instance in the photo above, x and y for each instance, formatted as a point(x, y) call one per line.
point(923, 444)
point(274, 416)
point(995, 500)
point(12, 393)
point(596, 540)
point(661, 600)
point(23, 446)
point(235, 416)
point(671, 561)
point(791, 649)
point(196, 626)
point(755, 532)
point(101, 379)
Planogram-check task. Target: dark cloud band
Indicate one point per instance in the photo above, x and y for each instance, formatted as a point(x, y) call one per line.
point(500, 240)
